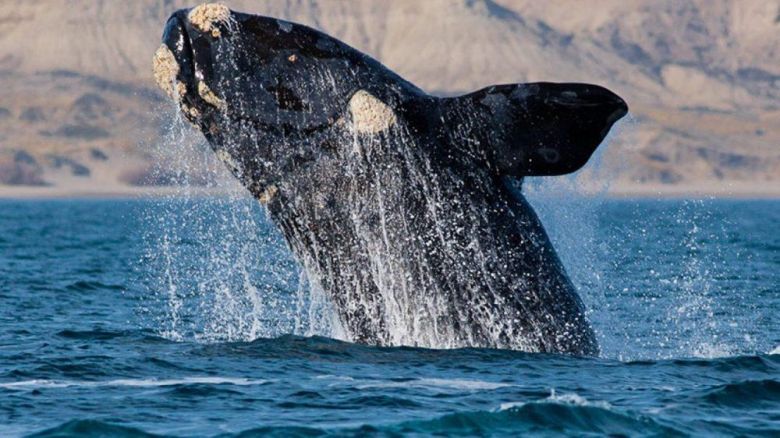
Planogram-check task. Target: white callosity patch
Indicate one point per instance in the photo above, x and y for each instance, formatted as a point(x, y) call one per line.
point(369, 114)
point(165, 69)
point(205, 17)
point(209, 96)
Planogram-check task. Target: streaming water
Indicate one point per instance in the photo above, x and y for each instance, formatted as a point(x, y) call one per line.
point(223, 272)
point(410, 252)
point(223, 286)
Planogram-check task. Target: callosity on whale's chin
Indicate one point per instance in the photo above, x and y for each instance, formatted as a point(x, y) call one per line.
point(398, 204)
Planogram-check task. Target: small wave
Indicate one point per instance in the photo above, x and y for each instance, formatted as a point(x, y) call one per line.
point(458, 384)
point(283, 431)
point(749, 393)
point(565, 414)
point(97, 335)
point(100, 334)
point(201, 391)
point(362, 402)
point(335, 377)
point(91, 428)
point(383, 401)
point(547, 417)
point(757, 363)
point(566, 419)
point(89, 286)
point(775, 351)
point(43, 383)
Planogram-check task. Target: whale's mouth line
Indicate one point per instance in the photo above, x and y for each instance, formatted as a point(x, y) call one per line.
point(176, 39)
point(184, 54)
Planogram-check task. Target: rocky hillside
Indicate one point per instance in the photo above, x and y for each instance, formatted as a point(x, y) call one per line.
point(702, 77)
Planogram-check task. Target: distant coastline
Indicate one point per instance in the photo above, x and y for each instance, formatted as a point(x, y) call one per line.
point(726, 190)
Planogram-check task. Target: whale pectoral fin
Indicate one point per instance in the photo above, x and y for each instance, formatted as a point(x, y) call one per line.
point(532, 129)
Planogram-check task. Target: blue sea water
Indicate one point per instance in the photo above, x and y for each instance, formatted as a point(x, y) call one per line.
point(190, 318)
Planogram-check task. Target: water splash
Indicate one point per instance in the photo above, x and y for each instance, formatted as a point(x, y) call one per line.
point(220, 270)
point(692, 312)
point(681, 318)
point(224, 273)
point(405, 292)
point(570, 206)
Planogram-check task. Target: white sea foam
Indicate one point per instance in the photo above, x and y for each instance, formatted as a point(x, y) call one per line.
point(334, 377)
point(776, 350)
point(511, 405)
point(458, 384)
point(564, 399)
point(142, 383)
point(576, 399)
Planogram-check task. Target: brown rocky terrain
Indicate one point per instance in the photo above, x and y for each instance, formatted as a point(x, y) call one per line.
point(79, 113)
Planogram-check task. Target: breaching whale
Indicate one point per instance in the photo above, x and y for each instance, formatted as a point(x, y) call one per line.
point(405, 208)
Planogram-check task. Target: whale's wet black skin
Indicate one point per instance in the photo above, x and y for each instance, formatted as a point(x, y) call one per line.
point(403, 207)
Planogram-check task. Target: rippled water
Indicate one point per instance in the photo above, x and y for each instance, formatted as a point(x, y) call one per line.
point(126, 318)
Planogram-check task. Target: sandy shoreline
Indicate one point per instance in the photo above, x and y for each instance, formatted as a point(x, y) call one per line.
point(703, 190)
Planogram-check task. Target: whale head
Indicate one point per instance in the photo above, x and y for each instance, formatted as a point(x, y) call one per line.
point(260, 88)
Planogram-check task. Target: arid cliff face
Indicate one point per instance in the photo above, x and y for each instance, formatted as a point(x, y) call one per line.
point(78, 107)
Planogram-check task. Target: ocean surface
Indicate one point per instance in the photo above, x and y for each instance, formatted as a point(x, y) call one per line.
point(188, 317)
